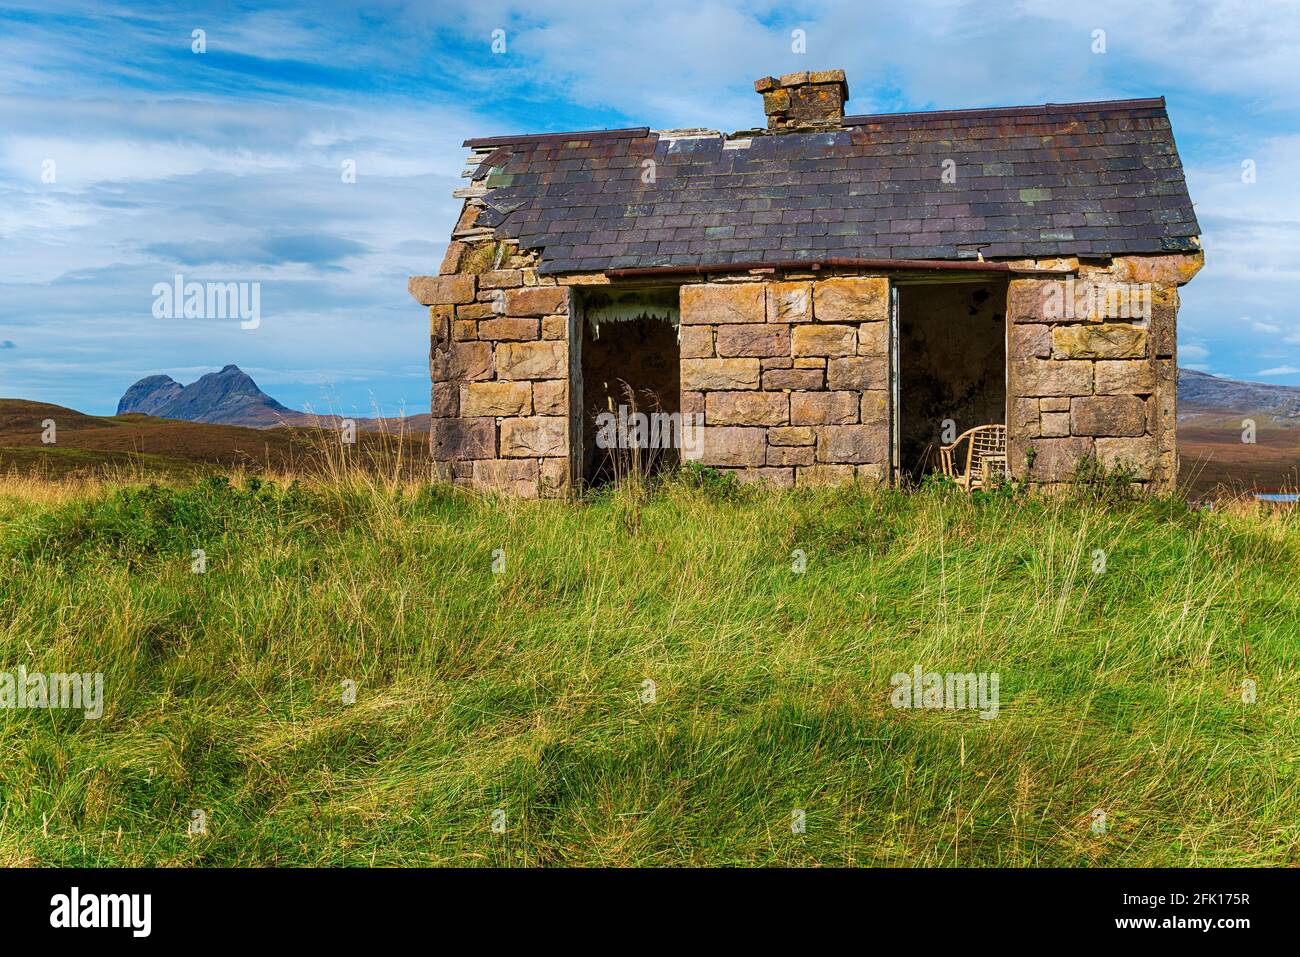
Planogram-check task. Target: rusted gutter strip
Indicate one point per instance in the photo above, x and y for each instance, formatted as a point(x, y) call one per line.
point(934, 265)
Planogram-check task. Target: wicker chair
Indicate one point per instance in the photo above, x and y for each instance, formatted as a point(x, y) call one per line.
point(986, 456)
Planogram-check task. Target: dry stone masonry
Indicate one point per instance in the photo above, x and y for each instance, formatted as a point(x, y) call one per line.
point(783, 250)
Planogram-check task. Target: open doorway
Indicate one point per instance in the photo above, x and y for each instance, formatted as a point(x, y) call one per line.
point(952, 366)
point(630, 367)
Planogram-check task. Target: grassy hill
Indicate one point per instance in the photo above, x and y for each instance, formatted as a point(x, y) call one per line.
point(525, 691)
point(153, 447)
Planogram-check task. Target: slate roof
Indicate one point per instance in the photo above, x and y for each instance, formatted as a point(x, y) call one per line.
point(1085, 179)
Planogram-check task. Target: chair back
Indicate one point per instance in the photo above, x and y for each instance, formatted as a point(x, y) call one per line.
point(986, 456)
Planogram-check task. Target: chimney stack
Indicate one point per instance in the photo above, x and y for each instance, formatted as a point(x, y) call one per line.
point(804, 101)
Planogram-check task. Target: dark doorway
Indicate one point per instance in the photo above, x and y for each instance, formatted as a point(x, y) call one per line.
point(631, 366)
point(952, 366)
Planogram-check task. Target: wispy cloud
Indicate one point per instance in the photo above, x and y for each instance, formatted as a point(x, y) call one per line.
point(229, 163)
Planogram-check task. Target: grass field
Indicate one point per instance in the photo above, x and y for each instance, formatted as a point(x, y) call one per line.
point(521, 690)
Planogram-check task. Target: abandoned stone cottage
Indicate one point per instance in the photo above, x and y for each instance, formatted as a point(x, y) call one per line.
point(827, 298)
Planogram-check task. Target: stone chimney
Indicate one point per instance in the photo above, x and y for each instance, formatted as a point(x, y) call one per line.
point(804, 101)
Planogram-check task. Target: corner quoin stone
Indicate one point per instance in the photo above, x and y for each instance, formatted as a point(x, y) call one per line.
point(441, 290)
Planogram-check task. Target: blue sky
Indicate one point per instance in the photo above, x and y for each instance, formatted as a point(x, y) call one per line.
point(227, 164)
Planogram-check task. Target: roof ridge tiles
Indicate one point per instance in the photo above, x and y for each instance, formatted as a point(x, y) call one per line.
point(1152, 103)
point(631, 132)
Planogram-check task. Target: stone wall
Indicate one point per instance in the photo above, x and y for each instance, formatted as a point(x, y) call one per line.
point(792, 377)
point(499, 364)
point(1085, 379)
point(790, 372)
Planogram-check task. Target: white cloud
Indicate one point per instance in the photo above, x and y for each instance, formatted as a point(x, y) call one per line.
point(1280, 370)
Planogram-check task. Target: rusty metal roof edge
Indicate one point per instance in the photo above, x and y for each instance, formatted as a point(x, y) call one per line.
point(832, 262)
point(1147, 103)
point(483, 141)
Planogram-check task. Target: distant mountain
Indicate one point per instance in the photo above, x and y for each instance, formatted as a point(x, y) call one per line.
point(228, 397)
point(1206, 399)
point(231, 397)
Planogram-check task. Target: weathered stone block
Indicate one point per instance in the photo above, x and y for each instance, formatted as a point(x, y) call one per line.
point(820, 340)
point(852, 443)
point(555, 327)
point(858, 373)
point(873, 339)
point(1030, 340)
point(747, 408)
point(496, 398)
point(1055, 460)
point(1164, 322)
point(732, 446)
point(444, 400)
point(464, 330)
point(809, 362)
point(500, 279)
point(452, 257)
point(537, 301)
point(463, 438)
point(692, 403)
point(771, 477)
point(537, 435)
point(817, 475)
point(1108, 415)
point(790, 455)
point(1055, 424)
point(1124, 376)
point(754, 340)
point(554, 477)
point(875, 408)
point(507, 476)
point(789, 302)
point(1176, 269)
point(802, 379)
point(791, 435)
point(723, 303)
point(462, 362)
point(696, 342)
point(851, 300)
point(1031, 300)
point(1139, 454)
point(441, 290)
point(500, 329)
point(1026, 420)
point(719, 374)
point(532, 360)
point(1035, 377)
point(475, 311)
point(823, 408)
point(551, 397)
point(440, 317)
point(1107, 340)
point(1054, 403)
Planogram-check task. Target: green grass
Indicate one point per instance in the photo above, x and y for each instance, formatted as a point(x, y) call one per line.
point(520, 691)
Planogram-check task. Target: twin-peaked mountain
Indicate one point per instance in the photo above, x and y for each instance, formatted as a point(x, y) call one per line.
point(228, 397)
